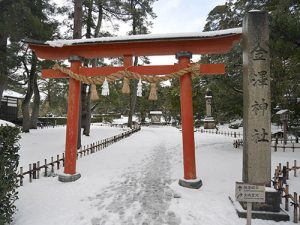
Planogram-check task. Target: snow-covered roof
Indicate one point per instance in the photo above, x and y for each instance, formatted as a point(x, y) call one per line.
point(255, 10)
point(10, 93)
point(282, 111)
point(193, 35)
point(155, 112)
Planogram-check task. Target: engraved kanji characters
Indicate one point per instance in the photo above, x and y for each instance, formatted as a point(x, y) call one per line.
point(263, 106)
point(260, 79)
point(260, 136)
point(259, 53)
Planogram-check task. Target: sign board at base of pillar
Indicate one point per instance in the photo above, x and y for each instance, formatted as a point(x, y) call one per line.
point(249, 192)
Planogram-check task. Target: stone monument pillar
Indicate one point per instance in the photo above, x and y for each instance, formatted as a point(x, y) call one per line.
point(257, 102)
point(209, 122)
point(257, 111)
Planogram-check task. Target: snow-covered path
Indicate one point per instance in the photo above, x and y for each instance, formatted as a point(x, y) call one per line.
point(143, 195)
point(135, 182)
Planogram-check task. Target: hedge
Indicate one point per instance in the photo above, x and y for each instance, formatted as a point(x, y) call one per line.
point(9, 161)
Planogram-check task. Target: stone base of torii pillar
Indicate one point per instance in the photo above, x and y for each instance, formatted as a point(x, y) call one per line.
point(69, 177)
point(194, 184)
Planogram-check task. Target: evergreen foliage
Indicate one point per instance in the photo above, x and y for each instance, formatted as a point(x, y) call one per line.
point(284, 52)
point(9, 161)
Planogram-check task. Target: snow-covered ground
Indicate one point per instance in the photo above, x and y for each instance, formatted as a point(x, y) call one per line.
point(135, 181)
point(44, 143)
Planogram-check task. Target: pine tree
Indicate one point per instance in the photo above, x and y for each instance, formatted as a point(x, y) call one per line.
point(23, 19)
point(284, 52)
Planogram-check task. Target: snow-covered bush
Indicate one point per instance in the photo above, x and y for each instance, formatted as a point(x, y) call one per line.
point(9, 161)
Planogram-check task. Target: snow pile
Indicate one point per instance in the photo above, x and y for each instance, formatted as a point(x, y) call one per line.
point(6, 123)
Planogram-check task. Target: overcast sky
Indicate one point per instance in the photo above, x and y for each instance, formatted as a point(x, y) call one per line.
point(175, 16)
point(182, 15)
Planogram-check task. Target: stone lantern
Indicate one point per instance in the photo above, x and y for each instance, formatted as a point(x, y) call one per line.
point(284, 118)
point(209, 122)
point(155, 117)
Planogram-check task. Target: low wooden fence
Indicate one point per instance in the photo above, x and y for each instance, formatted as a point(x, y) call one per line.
point(47, 169)
point(294, 146)
point(289, 140)
point(276, 147)
point(226, 133)
point(281, 175)
point(46, 126)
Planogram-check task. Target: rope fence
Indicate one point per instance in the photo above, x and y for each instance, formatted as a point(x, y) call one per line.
point(47, 169)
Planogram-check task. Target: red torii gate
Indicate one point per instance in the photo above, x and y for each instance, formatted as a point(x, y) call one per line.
point(181, 45)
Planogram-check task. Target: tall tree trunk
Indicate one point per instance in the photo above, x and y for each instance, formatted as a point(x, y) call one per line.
point(88, 113)
point(77, 34)
point(3, 64)
point(86, 105)
point(36, 102)
point(132, 97)
point(26, 102)
point(89, 108)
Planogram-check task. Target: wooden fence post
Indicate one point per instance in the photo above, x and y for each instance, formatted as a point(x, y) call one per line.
point(287, 170)
point(30, 173)
point(52, 166)
point(34, 171)
point(63, 159)
point(299, 207)
point(287, 197)
point(46, 172)
point(295, 208)
point(38, 169)
point(295, 168)
point(284, 174)
point(279, 165)
point(293, 147)
point(21, 176)
point(57, 164)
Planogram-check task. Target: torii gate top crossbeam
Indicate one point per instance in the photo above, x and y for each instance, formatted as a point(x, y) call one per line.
point(212, 42)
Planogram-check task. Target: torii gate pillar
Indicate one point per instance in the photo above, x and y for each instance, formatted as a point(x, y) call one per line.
point(72, 125)
point(189, 163)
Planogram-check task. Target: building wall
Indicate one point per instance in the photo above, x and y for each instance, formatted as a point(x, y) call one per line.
point(9, 109)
